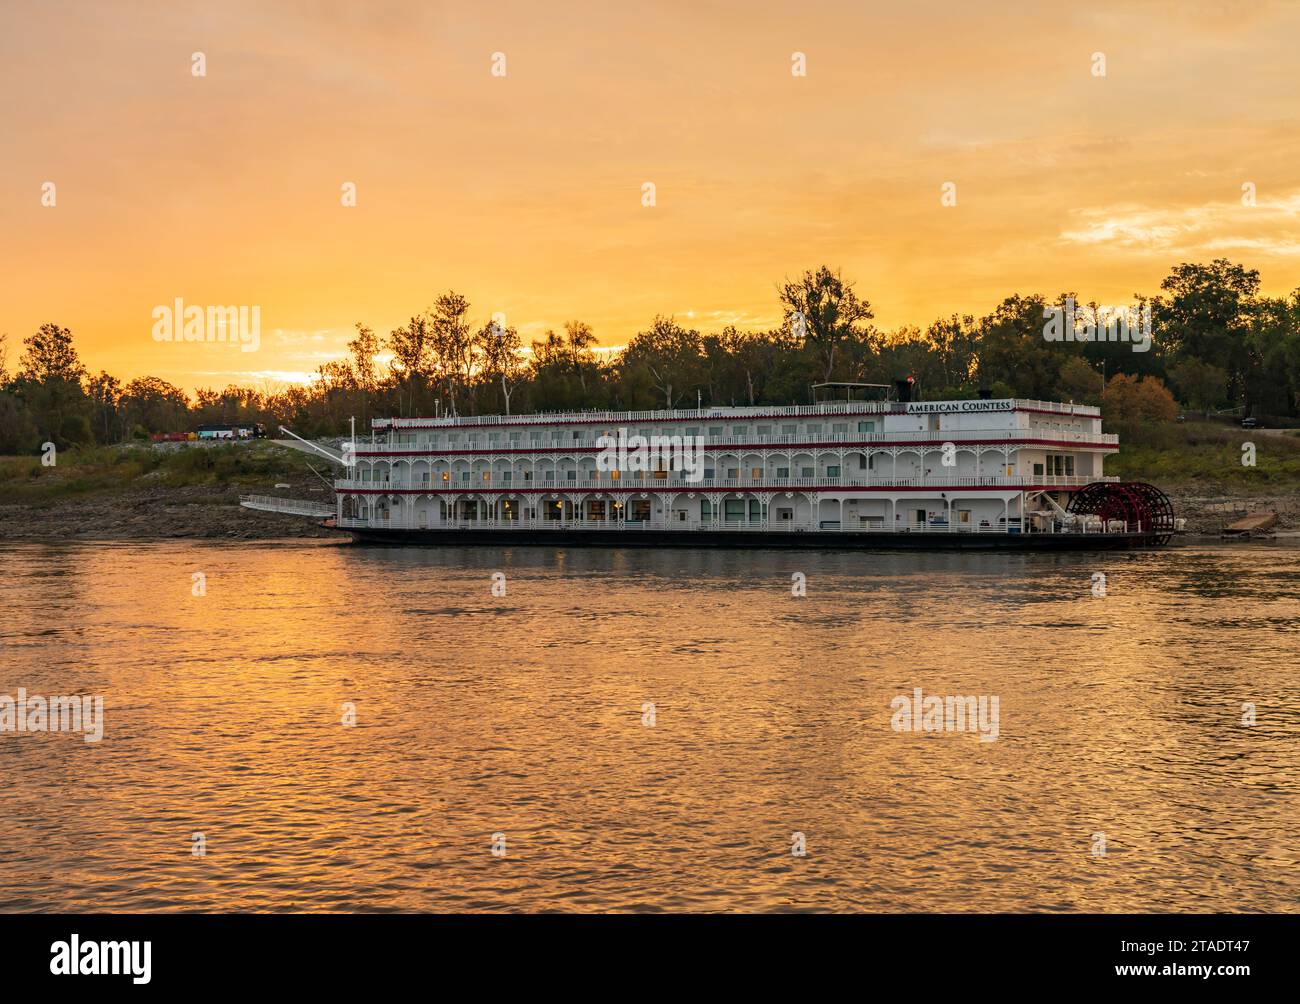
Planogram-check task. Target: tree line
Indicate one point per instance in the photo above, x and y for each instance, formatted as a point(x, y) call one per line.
point(1216, 345)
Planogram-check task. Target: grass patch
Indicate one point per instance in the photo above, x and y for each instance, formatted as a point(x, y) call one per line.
point(100, 469)
point(1203, 452)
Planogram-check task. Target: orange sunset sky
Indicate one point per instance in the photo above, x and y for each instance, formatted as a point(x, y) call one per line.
point(524, 191)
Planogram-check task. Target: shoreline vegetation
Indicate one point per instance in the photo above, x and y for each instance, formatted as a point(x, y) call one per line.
point(1215, 348)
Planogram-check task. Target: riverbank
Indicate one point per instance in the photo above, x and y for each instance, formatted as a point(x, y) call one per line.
point(212, 512)
point(192, 492)
point(158, 493)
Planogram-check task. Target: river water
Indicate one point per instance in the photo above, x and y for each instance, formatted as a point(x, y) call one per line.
point(521, 724)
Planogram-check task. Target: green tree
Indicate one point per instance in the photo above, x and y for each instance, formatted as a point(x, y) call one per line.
point(1205, 315)
point(670, 355)
point(830, 311)
point(49, 379)
point(1201, 384)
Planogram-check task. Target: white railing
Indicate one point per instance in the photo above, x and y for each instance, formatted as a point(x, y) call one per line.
point(728, 526)
point(295, 507)
point(845, 440)
point(705, 414)
point(676, 414)
point(519, 486)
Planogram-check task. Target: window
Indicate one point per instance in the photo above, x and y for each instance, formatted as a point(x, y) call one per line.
point(506, 475)
point(715, 430)
point(814, 427)
point(833, 471)
point(570, 475)
point(446, 475)
point(1038, 469)
point(550, 476)
point(515, 436)
point(494, 437)
point(708, 474)
point(783, 472)
point(1059, 465)
point(789, 430)
point(756, 473)
point(487, 475)
point(733, 472)
point(613, 475)
point(739, 430)
point(734, 510)
point(807, 472)
point(765, 430)
point(840, 427)
point(693, 430)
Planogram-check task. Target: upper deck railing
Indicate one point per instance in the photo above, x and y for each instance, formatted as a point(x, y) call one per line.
point(1011, 437)
point(690, 414)
point(679, 484)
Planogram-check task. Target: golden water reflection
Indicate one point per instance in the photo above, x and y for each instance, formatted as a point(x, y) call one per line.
point(522, 715)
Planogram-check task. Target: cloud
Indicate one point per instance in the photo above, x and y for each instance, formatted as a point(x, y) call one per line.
point(1266, 228)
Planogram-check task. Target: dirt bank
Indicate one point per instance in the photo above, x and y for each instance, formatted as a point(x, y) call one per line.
point(153, 512)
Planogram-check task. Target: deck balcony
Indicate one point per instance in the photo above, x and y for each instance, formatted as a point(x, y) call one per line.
point(518, 486)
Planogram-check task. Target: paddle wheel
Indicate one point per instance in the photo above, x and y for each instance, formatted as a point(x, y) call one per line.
point(1141, 507)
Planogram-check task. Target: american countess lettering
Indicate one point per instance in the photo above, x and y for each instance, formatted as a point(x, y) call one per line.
point(922, 407)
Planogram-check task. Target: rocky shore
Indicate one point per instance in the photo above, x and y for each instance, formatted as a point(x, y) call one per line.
point(153, 512)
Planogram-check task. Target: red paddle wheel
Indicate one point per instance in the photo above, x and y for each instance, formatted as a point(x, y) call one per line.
point(1143, 508)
